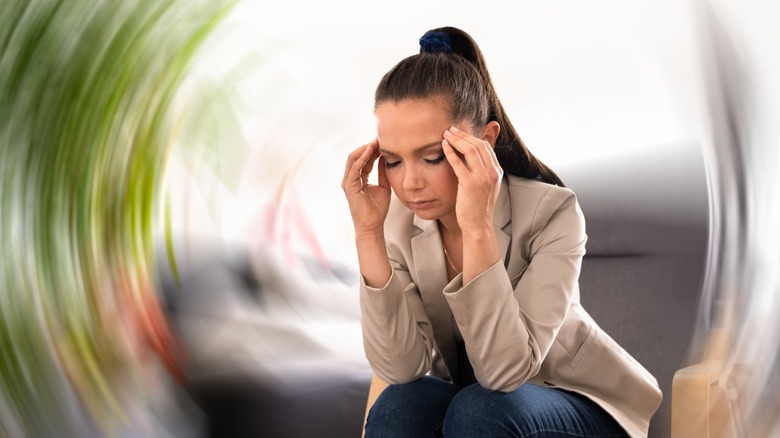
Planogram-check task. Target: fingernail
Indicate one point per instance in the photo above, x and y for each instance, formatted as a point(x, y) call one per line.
point(454, 129)
point(447, 133)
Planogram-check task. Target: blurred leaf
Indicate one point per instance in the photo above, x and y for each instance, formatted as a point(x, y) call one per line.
point(86, 126)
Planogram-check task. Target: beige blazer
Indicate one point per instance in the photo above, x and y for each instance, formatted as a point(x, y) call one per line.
point(521, 319)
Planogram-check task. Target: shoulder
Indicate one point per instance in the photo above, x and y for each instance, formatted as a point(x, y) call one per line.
point(531, 191)
point(535, 205)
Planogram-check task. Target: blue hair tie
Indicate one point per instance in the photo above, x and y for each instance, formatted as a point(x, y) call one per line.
point(433, 42)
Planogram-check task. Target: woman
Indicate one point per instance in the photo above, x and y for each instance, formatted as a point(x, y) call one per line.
point(469, 293)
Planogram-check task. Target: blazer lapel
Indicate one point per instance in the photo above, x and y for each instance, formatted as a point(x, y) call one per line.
point(431, 278)
point(429, 259)
point(502, 218)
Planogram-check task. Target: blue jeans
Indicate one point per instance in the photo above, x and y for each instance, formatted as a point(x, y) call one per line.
point(432, 407)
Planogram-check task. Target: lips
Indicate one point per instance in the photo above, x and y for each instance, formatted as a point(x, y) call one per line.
point(420, 205)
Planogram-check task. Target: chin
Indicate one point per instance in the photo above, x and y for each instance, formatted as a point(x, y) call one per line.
point(434, 212)
point(427, 215)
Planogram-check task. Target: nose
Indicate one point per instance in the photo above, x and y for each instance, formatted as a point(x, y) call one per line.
point(413, 179)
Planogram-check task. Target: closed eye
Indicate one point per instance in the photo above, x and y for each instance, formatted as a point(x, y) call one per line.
point(436, 160)
point(390, 165)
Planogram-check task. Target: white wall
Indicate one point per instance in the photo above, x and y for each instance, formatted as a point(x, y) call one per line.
point(580, 80)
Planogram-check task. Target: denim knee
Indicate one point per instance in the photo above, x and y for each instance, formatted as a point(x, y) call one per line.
point(474, 411)
point(395, 399)
point(411, 409)
point(529, 410)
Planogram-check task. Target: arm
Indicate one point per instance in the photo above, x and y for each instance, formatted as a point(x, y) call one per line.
point(479, 179)
point(397, 335)
point(368, 205)
point(507, 331)
point(372, 258)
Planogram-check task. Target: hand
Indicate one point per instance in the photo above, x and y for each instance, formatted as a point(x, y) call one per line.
point(479, 178)
point(368, 203)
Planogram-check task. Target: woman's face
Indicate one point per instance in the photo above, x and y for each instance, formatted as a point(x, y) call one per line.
point(410, 133)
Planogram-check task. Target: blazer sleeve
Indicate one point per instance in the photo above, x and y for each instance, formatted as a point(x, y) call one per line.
point(397, 334)
point(508, 331)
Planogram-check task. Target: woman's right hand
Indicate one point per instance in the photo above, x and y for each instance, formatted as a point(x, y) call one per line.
point(368, 203)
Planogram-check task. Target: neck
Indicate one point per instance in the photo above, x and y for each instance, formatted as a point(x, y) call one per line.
point(448, 226)
point(449, 229)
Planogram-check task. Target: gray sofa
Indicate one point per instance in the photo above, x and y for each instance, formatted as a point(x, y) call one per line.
point(647, 222)
point(647, 219)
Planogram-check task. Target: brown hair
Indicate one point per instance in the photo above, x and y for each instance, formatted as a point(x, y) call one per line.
point(458, 73)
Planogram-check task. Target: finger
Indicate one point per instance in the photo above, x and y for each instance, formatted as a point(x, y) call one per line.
point(356, 154)
point(485, 151)
point(382, 180)
point(466, 145)
point(482, 148)
point(369, 166)
point(494, 159)
point(488, 156)
point(492, 168)
point(456, 160)
point(355, 170)
point(353, 156)
point(461, 158)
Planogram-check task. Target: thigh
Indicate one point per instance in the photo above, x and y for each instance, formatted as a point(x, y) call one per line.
point(414, 409)
point(530, 410)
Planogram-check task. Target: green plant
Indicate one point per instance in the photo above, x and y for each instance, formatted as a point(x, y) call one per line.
point(86, 126)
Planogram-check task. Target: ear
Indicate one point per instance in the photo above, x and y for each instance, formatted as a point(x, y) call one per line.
point(490, 133)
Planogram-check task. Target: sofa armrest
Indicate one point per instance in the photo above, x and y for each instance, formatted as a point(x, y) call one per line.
point(377, 386)
point(700, 398)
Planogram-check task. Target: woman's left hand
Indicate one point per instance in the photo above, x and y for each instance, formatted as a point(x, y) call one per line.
point(479, 178)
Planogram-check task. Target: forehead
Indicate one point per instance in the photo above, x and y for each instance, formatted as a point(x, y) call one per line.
point(411, 123)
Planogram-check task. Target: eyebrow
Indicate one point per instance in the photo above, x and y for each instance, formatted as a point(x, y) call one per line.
point(417, 150)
